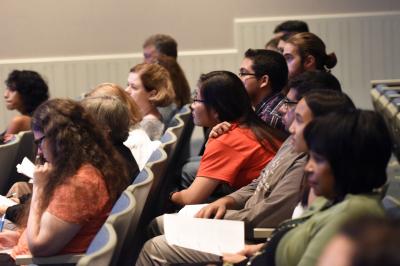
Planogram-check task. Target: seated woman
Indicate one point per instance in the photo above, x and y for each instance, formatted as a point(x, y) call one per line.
point(344, 173)
point(138, 141)
point(237, 157)
point(113, 117)
point(74, 191)
point(150, 86)
point(25, 91)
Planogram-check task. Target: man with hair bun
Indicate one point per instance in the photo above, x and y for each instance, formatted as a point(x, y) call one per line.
point(306, 51)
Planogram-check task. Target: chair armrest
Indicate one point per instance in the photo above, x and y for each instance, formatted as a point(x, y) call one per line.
point(59, 259)
point(262, 233)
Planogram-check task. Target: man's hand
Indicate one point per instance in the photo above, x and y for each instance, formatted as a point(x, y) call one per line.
point(216, 209)
point(219, 130)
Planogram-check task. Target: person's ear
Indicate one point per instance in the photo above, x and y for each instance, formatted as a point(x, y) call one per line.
point(152, 93)
point(215, 115)
point(264, 81)
point(309, 62)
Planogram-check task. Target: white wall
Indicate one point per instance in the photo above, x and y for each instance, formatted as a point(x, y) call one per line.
point(47, 28)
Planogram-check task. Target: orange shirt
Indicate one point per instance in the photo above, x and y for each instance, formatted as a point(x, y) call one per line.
point(83, 200)
point(235, 157)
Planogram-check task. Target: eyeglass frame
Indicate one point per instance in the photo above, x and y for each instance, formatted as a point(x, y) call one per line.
point(38, 142)
point(244, 74)
point(286, 102)
point(195, 99)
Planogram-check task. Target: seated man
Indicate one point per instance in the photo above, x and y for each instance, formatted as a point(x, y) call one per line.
point(272, 197)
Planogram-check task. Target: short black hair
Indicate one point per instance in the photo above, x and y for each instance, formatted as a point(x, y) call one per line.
point(346, 140)
point(164, 44)
point(292, 26)
point(270, 63)
point(313, 80)
point(31, 87)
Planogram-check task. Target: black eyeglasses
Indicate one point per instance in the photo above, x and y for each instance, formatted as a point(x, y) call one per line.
point(244, 74)
point(39, 141)
point(194, 99)
point(288, 103)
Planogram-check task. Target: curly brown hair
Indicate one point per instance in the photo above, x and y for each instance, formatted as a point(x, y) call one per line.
point(74, 140)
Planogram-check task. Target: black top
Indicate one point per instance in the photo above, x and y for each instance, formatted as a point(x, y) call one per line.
point(130, 162)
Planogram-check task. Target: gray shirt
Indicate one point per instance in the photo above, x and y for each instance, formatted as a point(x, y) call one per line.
point(272, 197)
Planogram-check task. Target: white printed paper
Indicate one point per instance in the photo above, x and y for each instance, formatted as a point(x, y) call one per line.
point(6, 201)
point(206, 235)
point(191, 210)
point(26, 167)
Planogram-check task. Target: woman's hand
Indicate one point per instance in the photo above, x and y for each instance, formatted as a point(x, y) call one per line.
point(41, 174)
point(8, 137)
point(219, 129)
point(248, 251)
point(3, 209)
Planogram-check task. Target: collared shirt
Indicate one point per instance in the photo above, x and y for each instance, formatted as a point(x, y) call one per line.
point(267, 110)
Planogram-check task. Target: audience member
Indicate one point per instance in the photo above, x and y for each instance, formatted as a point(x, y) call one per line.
point(236, 158)
point(74, 190)
point(268, 200)
point(272, 45)
point(367, 241)
point(306, 51)
point(283, 39)
point(150, 86)
point(340, 170)
point(25, 91)
point(159, 44)
point(114, 118)
point(283, 31)
point(264, 75)
point(138, 141)
point(290, 26)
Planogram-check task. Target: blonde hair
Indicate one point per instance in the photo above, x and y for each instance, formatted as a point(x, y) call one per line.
point(155, 77)
point(111, 89)
point(111, 114)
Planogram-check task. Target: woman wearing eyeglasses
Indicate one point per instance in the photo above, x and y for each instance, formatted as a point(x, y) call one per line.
point(73, 192)
point(236, 158)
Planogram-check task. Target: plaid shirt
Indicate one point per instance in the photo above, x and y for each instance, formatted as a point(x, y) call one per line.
point(267, 110)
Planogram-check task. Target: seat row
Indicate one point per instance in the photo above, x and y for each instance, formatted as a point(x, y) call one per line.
point(386, 101)
point(11, 154)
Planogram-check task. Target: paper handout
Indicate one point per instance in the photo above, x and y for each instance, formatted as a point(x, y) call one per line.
point(26, 167)
point(191, 210)
point(207, 235)
point(6, 201)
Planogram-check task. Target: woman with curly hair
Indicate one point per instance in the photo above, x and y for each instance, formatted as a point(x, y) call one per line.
point(74, 191)
point(25, 91)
